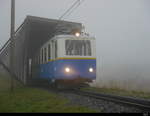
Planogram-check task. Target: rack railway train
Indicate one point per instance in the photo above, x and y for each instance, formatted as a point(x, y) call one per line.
point(66, 60)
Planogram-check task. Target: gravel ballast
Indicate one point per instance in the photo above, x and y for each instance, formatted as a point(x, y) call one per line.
point(99, 105)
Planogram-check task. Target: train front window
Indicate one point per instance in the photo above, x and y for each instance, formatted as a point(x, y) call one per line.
point(78, 47)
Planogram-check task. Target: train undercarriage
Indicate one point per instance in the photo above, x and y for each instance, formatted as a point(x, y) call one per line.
point(61, 83)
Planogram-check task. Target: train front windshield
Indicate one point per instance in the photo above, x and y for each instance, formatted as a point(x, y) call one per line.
point(78, 48)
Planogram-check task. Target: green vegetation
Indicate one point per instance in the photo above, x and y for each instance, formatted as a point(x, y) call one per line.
point(118, 91)
point(25, 99)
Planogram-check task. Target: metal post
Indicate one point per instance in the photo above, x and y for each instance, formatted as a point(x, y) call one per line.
point(12, 35)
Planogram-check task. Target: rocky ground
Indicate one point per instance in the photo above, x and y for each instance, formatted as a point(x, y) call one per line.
point(101, 106)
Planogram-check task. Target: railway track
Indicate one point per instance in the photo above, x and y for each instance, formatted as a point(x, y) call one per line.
point(141, 104)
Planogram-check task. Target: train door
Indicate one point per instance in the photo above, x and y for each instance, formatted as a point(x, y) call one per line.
point(54, 56)
point(54, 49)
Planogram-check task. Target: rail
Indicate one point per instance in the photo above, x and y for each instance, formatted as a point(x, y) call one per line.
point(138, 103)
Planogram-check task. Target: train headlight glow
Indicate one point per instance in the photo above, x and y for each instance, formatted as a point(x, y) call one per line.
point(77, 34)
point(67, 70)
point(91, 70)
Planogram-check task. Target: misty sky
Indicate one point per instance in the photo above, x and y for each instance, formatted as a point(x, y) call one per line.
point(121, 29)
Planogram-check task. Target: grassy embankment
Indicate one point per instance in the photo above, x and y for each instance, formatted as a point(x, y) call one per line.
point(118, 91)
point(25, 99)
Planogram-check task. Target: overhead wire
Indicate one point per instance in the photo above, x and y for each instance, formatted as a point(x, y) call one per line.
point(71, 11)
point(74, 6)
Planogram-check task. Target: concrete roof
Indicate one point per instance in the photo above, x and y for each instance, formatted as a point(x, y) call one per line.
point(39, 30)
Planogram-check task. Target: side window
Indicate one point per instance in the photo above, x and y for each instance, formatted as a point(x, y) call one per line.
point(84, 49)
point(55, 49)
point(39, 58)
point(49, 51)
point(45, 55)
point(42, 56)
point(88, 48)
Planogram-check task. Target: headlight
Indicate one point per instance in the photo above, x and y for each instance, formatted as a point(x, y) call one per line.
point(91, 70)
point(77, 34)
point(67, 70)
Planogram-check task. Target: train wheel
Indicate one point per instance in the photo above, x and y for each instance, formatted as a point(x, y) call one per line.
point(60, 86)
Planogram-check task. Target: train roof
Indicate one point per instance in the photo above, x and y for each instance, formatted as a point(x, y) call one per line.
point(73, 37)
point(36, 31)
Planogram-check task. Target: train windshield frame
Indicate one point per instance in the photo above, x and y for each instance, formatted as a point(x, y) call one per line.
point(78, 47)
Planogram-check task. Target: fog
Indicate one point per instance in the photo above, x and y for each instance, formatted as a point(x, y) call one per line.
point(121, 29)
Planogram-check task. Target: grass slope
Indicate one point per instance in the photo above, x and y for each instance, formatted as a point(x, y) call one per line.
point(24, 100)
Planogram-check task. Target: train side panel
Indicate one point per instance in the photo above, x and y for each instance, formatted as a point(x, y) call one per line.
point(78, 68)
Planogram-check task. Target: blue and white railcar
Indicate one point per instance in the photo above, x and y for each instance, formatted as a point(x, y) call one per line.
point(68, 58)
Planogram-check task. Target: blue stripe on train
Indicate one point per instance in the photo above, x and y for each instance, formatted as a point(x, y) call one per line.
point(79, 68)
